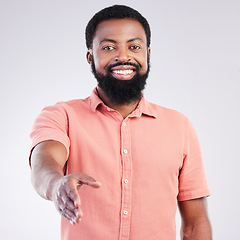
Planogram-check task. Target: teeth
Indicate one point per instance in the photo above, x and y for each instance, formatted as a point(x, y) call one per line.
point(123, 72)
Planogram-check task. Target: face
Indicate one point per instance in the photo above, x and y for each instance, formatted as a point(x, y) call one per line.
point(120, 58)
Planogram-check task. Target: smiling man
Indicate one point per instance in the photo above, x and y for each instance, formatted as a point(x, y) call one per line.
point(119, 57)
point(146, 158)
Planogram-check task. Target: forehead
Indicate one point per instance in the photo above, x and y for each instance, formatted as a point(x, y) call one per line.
point(120, 30)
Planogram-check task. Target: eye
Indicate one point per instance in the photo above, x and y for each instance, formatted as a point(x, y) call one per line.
point(135, 47)
point(108, 48)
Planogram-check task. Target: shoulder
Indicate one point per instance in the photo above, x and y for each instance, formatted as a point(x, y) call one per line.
point(167, 113)
point(68, 106)
point(170, 118)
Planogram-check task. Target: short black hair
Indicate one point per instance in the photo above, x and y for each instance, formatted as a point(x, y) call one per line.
point(115, 12)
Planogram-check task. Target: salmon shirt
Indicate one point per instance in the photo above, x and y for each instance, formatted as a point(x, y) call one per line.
point(146, 163)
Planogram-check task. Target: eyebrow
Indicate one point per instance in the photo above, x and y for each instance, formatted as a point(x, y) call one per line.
point(135, 39)
point(108, 40)
point(114, 41)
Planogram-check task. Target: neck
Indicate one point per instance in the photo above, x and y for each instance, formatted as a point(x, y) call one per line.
point(123, 109)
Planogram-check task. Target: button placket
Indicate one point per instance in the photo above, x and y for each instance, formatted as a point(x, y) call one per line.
point(126, 176)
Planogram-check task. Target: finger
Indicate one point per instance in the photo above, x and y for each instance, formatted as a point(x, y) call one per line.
point(63, 194)
point(76, 213)
point(69, 213)
point(79, 214)
point(70, 205)
point(74, 196)
point(73, 217)
point(87, 180)
point(64, 201)
point(74, 203)
point(91, 183)
point(69, 216)
point(60, 204)
point(70, 187)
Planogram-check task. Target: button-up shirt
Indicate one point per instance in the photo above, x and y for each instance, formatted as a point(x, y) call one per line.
point(145, 162)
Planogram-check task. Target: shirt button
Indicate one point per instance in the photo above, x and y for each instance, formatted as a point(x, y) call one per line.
point(108, 109)
point(125, 151)
point(125, 212)
point(126, 180)
point(124, 124)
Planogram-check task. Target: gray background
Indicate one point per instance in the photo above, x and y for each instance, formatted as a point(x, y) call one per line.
point(195, 69)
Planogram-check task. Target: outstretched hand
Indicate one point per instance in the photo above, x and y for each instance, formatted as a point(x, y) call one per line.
point(66, 197)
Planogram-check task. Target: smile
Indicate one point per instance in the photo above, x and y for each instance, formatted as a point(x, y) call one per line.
point(123, 72)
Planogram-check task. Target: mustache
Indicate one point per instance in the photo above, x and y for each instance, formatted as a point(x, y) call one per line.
point(137, 66)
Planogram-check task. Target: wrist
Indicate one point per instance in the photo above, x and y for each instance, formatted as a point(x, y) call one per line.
point(52, 187)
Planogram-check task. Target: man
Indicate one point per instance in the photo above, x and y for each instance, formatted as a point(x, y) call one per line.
point(146, 158)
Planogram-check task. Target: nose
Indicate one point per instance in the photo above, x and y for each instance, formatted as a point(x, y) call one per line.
point(123, 55)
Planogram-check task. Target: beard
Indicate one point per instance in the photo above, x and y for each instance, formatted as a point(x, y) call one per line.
point(121, 92)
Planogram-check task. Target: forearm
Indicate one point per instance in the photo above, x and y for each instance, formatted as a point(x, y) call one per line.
point(199, 231)
point(45, 174)
point(48, 161)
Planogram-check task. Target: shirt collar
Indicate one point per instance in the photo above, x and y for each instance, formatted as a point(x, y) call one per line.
point(95, 101)
point(144, 107)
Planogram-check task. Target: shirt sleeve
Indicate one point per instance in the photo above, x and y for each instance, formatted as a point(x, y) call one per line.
point(51, 124)
point(192, 178)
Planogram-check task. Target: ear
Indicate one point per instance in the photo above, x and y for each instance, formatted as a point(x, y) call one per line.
point(149, 53)
point(89, 56)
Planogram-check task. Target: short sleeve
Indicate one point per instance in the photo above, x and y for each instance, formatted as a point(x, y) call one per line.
point(192, 178)
point(51, 124)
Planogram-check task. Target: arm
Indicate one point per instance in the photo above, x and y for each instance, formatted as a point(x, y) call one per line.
point(195, 222)
point(47, 161)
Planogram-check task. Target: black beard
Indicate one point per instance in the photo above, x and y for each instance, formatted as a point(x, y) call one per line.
point(121, 92)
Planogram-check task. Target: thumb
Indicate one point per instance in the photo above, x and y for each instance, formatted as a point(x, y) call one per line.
point(84, 179)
